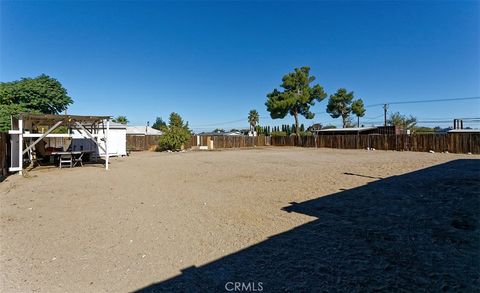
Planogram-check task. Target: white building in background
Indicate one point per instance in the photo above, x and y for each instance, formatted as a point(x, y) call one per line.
point(142, 130)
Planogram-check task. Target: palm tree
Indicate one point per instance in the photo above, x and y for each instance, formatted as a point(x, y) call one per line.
point(253, 119)
point(121, 119)
point(403, 121)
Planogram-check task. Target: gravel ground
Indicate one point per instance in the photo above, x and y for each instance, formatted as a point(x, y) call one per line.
point(292, 219)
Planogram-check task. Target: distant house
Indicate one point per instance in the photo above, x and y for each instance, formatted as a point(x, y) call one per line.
point(219, 133)
point(142, 130)
point(465, 130)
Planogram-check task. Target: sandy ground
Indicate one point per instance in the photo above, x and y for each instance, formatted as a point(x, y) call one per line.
point(154, 214)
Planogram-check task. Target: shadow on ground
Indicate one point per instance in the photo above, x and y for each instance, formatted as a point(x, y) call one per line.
point(403, 233)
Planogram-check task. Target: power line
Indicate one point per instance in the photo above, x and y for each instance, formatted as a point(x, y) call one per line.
point(423, 101)
point(368, 106)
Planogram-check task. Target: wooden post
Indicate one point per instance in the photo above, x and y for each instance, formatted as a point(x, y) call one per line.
point(106, 144)
point(20, 145)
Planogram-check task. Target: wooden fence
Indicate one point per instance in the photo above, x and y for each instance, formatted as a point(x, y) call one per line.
point(454, 142)
point(142, 142)
point(4, 153)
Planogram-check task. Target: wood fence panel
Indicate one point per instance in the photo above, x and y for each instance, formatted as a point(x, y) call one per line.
point(454, 142)
point(4, 153)
point(142, 142)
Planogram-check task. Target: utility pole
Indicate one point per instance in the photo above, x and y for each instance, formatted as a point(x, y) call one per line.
point(385, 108)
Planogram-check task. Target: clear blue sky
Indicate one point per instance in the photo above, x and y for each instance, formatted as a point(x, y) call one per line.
point(214, 61)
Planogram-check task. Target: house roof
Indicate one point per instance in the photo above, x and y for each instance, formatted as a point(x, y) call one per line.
point(235, 133)
point(142, 130)
point(353, 129)
point(464, 131)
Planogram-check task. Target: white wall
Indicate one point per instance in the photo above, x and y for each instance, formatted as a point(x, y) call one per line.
point(117, 142)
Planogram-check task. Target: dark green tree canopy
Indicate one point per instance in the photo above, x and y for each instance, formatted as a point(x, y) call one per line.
point(339, 105)
point(358, 109)
point(42, 94)
point(296, 98)
point(159, 123)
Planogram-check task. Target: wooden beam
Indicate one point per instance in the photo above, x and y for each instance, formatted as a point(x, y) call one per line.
point(90, 135)
point(42, 137)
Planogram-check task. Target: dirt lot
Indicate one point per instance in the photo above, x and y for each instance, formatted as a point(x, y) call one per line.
point(293, 219)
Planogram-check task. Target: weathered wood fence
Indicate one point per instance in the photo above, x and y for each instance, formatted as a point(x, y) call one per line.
point(4, 153)
point(454, 142)
point(142, 142)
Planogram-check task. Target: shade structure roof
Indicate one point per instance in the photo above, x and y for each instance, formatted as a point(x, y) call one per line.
point(67, 119)
point(83, 118)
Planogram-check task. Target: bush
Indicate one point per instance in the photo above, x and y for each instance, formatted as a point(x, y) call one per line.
point(175, 135)
point(278, 133)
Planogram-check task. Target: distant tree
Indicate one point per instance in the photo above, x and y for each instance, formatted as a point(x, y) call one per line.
point(302, 127)
point(329, 127)
point(234, 130)
point(424, 129)
point(175, 135)
point(402, 121)
point(42, 94)
point(339, 105)
point(358, 109)
point(121, 119)
point(219, 130)
point(279, 133)
point(297, 97)
point(159, 123)
point(253, 119)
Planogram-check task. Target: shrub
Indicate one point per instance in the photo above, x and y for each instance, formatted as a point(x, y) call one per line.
point(175, 135)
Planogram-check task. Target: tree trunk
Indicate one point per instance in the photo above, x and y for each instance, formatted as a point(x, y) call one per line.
point(344, 121)
point(358, 121)
point(297, 129)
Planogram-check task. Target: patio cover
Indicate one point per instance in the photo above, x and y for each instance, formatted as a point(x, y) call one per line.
point(23, 126)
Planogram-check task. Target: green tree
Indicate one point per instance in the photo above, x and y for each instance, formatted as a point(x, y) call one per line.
point(397, 119)
point(297, 97)
point(121, 119)
point(175, 135)
point(159, 123)
point(340, 105)
point(253, 119)
point(42, 94)
point(358, 109)
point(219, 130)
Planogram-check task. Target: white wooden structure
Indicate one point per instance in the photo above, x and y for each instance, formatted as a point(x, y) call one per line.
point(117, 140)
point(29, 129)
